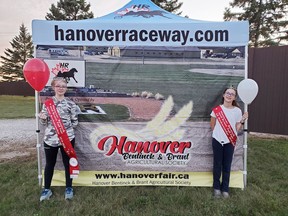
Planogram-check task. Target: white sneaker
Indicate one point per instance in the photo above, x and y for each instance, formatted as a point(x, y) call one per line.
point(217, 193)
point(45, 195)
point(225, 194)
point(68, 193)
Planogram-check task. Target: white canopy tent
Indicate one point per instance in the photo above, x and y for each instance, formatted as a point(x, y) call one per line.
point(142, 23)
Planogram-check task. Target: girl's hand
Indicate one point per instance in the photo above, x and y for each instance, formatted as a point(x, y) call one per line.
point(42, 115)
point(244, 117)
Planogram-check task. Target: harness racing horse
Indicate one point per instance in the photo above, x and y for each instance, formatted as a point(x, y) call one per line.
point(68, 75)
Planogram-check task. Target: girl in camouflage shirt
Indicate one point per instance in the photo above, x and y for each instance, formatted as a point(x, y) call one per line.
point(67, 110)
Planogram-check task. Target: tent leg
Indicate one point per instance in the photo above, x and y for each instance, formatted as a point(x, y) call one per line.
point(38, 146)
point(245, 146)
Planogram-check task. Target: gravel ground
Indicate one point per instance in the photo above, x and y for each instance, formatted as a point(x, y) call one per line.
point(17, 139)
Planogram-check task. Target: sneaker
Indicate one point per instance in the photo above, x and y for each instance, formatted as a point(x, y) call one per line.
point(225, 194)
point(45, 195)
point(217, 193)
point(68, 193)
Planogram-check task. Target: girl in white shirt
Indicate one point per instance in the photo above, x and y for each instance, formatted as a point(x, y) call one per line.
point(222, 148)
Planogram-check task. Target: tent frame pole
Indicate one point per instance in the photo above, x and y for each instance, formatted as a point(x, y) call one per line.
point(38, 143)
point(245, 145)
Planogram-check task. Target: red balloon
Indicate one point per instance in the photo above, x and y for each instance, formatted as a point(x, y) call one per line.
point(36, 73)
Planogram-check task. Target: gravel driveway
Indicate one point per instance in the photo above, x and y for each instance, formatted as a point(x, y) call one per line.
point(17, 138)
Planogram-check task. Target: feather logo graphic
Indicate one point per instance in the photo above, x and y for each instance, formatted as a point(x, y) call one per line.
point(163, 134)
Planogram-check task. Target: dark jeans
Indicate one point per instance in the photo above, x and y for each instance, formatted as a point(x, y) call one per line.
point(51, 157)
point(222, 161)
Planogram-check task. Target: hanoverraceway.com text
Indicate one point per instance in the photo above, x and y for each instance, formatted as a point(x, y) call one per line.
point(134, 35)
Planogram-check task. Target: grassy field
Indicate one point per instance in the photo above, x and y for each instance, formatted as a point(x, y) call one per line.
point(13, 107)
point(266, 192)
point(176, 80)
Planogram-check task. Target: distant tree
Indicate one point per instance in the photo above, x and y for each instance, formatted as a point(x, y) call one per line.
point(267, 19)
point(70, 10)
point(169, 5)
point(14, 58)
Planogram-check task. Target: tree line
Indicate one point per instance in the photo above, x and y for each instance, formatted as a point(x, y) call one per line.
point(268, 21)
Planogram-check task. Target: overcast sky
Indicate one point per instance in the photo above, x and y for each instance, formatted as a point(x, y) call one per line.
point(24, 11)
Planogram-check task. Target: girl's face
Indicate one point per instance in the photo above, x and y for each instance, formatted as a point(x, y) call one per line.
point(229, 95)
point(60, 87)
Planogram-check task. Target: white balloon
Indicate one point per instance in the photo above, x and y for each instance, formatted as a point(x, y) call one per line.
point(247, 90)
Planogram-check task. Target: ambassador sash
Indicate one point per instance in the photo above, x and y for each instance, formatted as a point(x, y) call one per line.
point(63, 137)
point(222, 119)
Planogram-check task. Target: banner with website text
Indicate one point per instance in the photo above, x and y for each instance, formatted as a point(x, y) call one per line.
point(144, 111)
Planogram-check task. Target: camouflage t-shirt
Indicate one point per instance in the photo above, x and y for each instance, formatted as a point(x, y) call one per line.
point(68, 112)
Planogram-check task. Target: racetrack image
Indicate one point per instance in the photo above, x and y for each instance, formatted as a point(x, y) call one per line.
point(199, 80)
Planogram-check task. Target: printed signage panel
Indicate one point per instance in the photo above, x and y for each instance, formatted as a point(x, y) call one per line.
point(72, 71)
point(145, 114)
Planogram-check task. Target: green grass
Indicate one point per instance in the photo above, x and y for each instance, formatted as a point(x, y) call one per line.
point(266, 192)
point(14, 107)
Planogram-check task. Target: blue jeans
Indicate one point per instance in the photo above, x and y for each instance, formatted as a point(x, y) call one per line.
point(222, 160)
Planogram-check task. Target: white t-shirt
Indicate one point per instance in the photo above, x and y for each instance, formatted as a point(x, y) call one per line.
point(233, 115)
